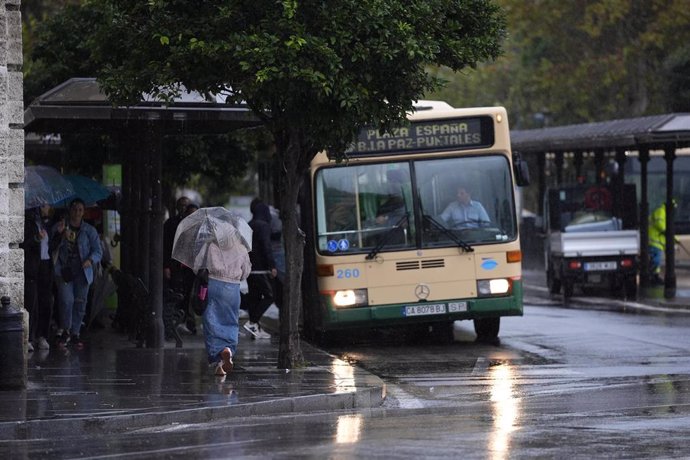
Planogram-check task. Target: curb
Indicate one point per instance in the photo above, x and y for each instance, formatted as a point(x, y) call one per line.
point(36, 429)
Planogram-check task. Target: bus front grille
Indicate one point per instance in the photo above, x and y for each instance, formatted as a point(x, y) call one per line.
point(410, 265)
point(435, 263)
point(415, 265)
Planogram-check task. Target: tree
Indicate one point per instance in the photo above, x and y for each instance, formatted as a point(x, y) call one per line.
point(313, 71)
point(585, 61)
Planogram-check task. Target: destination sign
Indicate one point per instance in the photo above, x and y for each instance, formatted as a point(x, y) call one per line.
point(423, 136)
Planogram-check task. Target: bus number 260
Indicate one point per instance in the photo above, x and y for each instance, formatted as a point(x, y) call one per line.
point(347, 273)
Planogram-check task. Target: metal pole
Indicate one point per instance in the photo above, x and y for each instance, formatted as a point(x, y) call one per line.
point(156, 240)
point(670, 257)
point(644, 219)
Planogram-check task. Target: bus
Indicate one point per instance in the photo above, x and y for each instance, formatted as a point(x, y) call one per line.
point(388, 244)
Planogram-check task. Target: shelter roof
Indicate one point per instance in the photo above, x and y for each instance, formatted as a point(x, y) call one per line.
point(653, 132)
point(79, 105)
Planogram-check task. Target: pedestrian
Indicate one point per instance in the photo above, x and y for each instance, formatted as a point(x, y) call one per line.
point(227, 268)
point(657, 242)
point(79, 250)
point(38, 275)
point(260, 281)
point(101, 287)
point(188, 327)
point(171, 267)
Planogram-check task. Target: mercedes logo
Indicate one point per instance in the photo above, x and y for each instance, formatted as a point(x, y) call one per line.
point(422, 291)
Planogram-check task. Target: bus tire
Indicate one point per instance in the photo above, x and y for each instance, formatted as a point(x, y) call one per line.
point(487, 329)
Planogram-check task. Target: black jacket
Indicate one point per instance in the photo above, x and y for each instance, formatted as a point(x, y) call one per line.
point(261, 255)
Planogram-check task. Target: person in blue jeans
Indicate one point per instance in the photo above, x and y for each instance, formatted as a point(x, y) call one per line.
point(79, 250)
point(227, 267)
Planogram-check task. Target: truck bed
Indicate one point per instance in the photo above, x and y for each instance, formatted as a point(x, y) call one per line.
point(593, 244)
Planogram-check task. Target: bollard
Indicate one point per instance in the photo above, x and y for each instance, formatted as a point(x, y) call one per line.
point(12, 358)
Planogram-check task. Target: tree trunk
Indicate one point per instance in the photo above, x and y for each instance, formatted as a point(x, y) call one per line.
point(290, 350)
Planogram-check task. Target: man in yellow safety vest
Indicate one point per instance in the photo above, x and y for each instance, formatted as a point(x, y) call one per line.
point(657, 241)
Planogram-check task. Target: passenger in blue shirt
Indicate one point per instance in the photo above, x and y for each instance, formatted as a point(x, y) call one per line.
point(465, 212)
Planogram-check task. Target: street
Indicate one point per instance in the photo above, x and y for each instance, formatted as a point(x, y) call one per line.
point(565, 382)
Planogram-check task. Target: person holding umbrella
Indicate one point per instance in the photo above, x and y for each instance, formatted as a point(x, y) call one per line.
point(214, 242)
point(79, 249)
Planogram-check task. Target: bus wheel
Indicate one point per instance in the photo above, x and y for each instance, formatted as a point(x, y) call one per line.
point(487, 330)
point(552, 282)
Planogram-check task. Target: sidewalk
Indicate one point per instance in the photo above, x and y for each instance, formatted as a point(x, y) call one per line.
point(112, 386)
point(652, 300)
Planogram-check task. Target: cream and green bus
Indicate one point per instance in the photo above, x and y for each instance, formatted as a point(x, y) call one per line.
point(393, 239)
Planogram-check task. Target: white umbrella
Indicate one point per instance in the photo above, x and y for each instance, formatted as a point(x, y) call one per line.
point(227, 229)
point(45, 185)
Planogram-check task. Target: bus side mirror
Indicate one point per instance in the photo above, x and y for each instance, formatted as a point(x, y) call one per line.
point(521, 170)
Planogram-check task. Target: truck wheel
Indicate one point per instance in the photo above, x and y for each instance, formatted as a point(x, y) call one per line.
point(568, 290)
point(487, 330)
point(630, 288)
point(553, 284)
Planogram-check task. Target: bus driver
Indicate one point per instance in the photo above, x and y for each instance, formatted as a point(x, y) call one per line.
point(464, 212)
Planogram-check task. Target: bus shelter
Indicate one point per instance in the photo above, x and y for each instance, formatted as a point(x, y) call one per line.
point(562, 153)
point(79, 106)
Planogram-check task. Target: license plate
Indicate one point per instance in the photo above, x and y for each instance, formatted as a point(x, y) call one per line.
point(595, 266)
point(455, 307)
point(426, 309)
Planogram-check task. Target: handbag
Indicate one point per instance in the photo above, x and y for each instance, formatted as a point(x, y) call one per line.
point(198, 297)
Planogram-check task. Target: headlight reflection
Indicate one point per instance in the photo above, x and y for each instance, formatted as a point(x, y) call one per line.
point(344, 376)
point(506, 409)
point(349, 429)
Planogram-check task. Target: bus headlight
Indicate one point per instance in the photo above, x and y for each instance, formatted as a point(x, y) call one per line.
point(498, 286)
point(350, 298)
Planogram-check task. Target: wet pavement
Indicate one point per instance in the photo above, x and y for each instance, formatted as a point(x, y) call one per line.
point(113, 386)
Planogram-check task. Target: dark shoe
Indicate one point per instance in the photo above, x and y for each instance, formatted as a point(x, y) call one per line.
point(76, 342)
point(63, 340)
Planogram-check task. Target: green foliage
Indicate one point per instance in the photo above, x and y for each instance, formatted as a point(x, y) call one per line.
point(56, 49)
point(583, 61)
point(324, 68)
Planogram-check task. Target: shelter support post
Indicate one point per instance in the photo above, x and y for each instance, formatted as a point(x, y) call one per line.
point(644, 219)
point(577, 162)
point(669, 256)
point(559, 168)
point(156, 239)
point(144, 209)
point(599, 165)
point(541, 181)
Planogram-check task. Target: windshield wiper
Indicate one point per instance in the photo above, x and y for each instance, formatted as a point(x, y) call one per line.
point(465, 247)
point(385, 237)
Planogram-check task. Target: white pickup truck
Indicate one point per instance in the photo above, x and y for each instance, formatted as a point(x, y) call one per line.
point(590, 246)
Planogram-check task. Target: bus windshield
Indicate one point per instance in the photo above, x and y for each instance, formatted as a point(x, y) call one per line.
point(425, 203)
